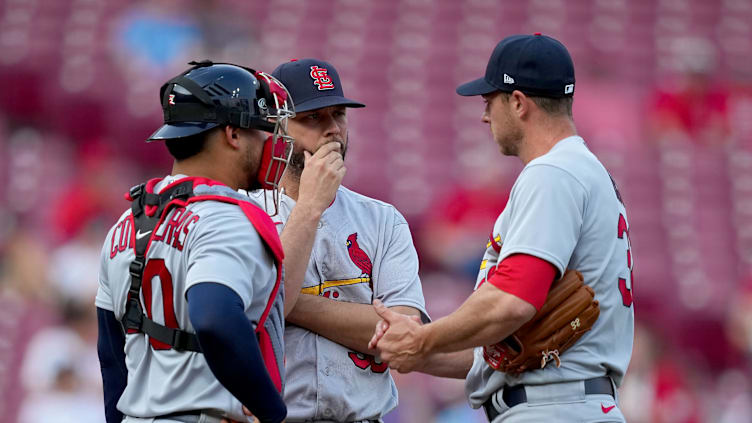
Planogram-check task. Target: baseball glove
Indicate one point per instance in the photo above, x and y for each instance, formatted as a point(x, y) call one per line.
point(570, 310)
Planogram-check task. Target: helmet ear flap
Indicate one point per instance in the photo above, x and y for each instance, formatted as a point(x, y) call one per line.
point(264, 88)
point(276, 94)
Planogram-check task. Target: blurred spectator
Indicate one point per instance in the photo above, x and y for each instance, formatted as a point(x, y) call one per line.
point(60, 371)
point(94, 196)
point(25, 307)
point(691, 104)
point(657, 388)
point(733, 398)
point(74, 266)
point(26, 171)
point(155, 36)
point(24, 272)
point(458, 224)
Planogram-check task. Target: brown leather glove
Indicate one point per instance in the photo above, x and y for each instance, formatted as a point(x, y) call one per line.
point(570, 310)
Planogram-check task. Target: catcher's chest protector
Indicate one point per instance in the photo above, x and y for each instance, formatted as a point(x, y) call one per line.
point(149, 210)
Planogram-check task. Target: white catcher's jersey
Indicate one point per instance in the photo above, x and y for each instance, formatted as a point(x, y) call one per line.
point(363, 250)
point(208, 241)
point(565, 208)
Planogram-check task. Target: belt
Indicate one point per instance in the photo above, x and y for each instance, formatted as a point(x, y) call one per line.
point(183, 416)
point(187, 416)
point(515, 395)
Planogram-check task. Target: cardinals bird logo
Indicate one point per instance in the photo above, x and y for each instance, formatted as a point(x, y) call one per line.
point(357, 255)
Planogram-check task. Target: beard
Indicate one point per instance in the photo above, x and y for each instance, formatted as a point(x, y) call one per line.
point(297, 158)
point(250, 168)
point(510, 140)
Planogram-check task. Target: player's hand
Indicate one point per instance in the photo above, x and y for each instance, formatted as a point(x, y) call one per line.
point(401, 339)
point(378, 333)
point(381, 327)
point(247, 412)
point(322, 175)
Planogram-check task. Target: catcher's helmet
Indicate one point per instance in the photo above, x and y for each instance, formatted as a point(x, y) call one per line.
point(210, 94)
point(213, 94)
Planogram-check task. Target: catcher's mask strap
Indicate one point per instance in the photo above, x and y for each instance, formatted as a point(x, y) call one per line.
point(207, 110)
point(219, 114)
point(189, 85)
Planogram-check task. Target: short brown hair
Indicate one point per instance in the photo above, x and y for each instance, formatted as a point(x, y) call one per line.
point(552, 106)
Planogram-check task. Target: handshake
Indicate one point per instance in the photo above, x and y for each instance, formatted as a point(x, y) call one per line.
point(570, 310)
point(398, 339)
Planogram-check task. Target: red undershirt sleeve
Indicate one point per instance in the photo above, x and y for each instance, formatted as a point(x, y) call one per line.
point(526, 277)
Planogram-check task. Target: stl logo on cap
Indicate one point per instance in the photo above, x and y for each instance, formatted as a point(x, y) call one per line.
point(321, 78)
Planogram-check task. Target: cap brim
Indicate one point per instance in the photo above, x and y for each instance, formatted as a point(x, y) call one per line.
point(476, 87)
point(180, 130)
point(326, 101)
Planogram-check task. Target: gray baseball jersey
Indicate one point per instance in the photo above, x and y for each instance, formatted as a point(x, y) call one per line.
point(565, 208)
point(207, 241)
point(363, 250)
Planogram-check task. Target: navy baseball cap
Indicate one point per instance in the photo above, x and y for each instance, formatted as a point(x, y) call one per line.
point(313, 84)
point(536, 64)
